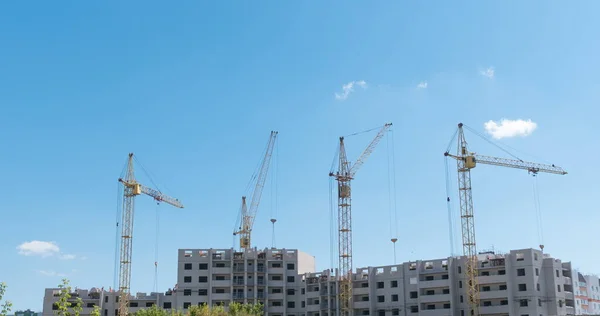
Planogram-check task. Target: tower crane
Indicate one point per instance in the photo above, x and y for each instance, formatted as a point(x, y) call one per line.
point(344, 176)
point(248, 215)
point(132, 188)
point(465, 162)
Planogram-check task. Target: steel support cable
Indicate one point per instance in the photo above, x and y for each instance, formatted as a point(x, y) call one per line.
point(394, 182)
point(389, 184)
point(538, 211)
point(365, 131)
point(451, 141)
point(332, 213)
point(449, 206)
point(118, 228)
point(332, 227)
point(117, 237)
point(157, 240)
point(491, 142)
point(146, 173)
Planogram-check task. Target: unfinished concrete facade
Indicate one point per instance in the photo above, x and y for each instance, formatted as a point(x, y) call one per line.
point(108, 301)
point(522, 282)
point(219, 276)
point(587, 293)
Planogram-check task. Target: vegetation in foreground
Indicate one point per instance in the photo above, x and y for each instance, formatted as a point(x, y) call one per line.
point(7, 305)
point(66, 306)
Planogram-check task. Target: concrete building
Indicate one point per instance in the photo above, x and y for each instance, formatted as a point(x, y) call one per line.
point(522, 282)
point(106, 300)
point(587, 294)
point(221, 276)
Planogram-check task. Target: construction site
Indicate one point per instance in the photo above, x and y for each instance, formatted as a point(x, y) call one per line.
point(524, 281)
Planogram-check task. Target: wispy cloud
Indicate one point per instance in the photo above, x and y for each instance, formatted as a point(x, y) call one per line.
point(349, 88)
point(510, 128)
point(489, 72)
point(67, 256)
point(52, 273)
point(43, 249)
point(422, 85)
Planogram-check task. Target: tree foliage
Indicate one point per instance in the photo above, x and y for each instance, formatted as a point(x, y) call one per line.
point(95, 311)
point(235, 309)
point(66, 306)
point(6, 306)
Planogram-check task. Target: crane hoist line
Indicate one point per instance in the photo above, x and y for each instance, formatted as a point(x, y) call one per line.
point(465, 161)
point(131, 189)
point(344, 176)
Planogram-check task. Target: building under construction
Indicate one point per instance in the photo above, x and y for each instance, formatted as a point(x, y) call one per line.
point(522, 282)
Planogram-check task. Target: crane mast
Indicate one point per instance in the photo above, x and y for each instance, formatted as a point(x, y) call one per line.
point(465, 161)
point(344, 177)
point(131, 188)
point(248, 215)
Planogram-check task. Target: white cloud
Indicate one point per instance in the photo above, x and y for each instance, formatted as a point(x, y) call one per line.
point(67, 256)
point(50, 273)
point(510, 128)
point(43, 249)
point(422, 85)
point(489, 72)
point(349, 88)
point(38, 248)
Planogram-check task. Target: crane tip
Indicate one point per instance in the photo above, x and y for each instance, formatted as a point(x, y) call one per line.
point(460, 125)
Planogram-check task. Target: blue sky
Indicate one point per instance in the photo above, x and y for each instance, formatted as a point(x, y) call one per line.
point(194, 90)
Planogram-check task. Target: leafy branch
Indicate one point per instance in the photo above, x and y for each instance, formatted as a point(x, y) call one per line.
point(65, 303)
point(7, 305)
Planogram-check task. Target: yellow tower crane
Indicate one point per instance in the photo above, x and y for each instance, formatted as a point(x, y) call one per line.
point(344, 175)
point(248, 215)
point(132, 188)
point(465, 162)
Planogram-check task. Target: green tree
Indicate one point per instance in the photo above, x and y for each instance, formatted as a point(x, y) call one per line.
point(65, 303)
point(6, 306)
point(152, 311)
point(237, 309)
point(96, 311)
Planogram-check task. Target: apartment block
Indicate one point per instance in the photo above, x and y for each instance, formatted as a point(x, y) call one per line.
point(522, 282)
point(107, 300)
point(587, 294)
point(217, 277)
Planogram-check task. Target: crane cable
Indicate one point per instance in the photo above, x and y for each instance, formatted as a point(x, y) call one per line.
point(392, 202)
point(274, 192)
point(117, 239)
point(538, 211)
point(118, 215)
point(332, 212)
point(450, 213)
point(157, 236)
point(451, 222)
